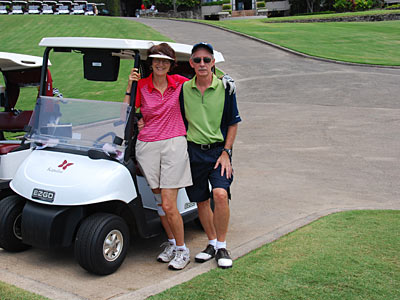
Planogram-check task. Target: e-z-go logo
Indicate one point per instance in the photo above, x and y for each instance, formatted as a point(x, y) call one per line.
point(65, 165)
point(62, 167)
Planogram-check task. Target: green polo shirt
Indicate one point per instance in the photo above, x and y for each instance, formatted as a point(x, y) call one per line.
point(204, 112)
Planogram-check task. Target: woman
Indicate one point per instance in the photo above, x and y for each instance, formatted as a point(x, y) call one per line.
point(161, 148)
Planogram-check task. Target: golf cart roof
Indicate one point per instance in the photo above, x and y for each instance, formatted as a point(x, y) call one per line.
point(35, 2)
point(13, 61)
point(50, 1)
point(19, 1)
point(64, 1)
point(127, 46)
point(7, 2)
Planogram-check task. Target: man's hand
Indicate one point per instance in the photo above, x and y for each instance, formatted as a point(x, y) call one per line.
point(226, 166)
point(228, 81)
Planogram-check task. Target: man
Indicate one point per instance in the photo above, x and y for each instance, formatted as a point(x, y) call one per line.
point(211, 117)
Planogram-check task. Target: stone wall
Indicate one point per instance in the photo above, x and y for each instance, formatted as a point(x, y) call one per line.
point(365, 18)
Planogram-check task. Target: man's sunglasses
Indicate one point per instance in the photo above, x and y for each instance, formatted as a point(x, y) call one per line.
point(197, 60)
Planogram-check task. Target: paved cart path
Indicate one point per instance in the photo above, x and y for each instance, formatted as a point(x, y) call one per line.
point(316, 138)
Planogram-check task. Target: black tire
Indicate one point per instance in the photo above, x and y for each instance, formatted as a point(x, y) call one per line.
point(5, 193)
point(10, 223)
point(91, 239)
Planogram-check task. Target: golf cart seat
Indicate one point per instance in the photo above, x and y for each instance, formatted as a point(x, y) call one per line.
point(11, 121)
point(6, 148)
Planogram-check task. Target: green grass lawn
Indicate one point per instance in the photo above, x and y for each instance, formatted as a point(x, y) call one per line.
point(10, 292)
point(350, 255)
point(359, 42)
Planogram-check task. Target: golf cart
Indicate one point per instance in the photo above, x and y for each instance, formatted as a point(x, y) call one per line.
point(78, 8)
point(5, 7)
point(18, 71)
point(18, 7)
point(64, 7)
point(49, 7)
point(92, 9)
point(34, 7)
point(80, 185)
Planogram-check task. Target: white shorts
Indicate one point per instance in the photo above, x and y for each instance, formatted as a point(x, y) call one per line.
point(165, 164)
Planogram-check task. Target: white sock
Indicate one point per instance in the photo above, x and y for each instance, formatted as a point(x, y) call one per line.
point(181, 247)
point(172, 242)
point(213, 242)
point(221, 245)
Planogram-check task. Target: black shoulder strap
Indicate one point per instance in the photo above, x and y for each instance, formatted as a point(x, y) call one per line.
point(182, 105)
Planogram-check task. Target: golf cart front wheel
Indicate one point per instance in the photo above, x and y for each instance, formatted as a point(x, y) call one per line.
point(10, 224)
point(101, 243)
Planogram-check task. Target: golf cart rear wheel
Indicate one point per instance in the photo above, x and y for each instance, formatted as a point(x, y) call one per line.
point(101, 243)
point(10, 224)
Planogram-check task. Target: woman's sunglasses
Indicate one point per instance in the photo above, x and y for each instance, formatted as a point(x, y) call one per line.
point(197, 60)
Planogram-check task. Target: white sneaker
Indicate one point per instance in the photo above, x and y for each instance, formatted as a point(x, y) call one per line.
point(181, 259)
point(168, 254)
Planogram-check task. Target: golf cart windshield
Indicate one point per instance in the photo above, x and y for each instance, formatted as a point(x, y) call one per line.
point(78, 124)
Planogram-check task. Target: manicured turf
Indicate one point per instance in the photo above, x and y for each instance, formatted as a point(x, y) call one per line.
point(359, 42)
point(351, 255)
point(10, 292)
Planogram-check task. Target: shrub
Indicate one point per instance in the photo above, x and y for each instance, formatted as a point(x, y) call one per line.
point(113, 7)
point(353, 5)
point(363, 4)
point(343, 5)
point(226, 7)
point(260, 4)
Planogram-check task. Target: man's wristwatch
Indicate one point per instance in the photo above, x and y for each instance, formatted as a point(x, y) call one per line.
point(229, 151)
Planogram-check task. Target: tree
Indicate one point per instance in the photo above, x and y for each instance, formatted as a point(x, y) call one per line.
point(310, 6)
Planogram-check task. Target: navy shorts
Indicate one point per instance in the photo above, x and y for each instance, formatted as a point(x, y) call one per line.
point(202, 164)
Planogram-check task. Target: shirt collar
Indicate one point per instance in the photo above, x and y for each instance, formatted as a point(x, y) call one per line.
point(171, 82)
point(214, 83)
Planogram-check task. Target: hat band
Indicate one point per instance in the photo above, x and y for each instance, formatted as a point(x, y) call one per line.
point(161, 56)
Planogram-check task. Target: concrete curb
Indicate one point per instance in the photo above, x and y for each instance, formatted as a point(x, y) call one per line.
point(287, 49)
point(237, 252)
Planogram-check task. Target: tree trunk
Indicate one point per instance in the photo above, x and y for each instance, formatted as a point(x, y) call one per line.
point(310, 5)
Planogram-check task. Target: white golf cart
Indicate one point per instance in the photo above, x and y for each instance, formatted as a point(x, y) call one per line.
point(80, 184)
point(18, 7)
point(5, 7)
point(92, 9)
point(78, 8)
point(34, 7)
point(64, 7)
point(49, 7)
point(18, 71)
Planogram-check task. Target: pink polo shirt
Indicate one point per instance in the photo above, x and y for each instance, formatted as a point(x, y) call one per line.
point(161, 113)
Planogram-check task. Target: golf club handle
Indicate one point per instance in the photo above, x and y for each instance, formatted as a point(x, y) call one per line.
point(131, 128)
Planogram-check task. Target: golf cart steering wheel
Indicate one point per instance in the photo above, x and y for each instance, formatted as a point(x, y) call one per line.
point(97, 143)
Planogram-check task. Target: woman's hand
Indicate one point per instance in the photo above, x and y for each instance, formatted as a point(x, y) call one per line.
point(134, 76)
point(140, 124)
